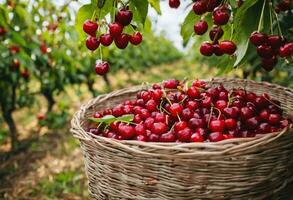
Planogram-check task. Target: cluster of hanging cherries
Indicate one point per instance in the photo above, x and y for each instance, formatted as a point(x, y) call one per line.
point(269, 47)
point(190, 112)
point(114, 33)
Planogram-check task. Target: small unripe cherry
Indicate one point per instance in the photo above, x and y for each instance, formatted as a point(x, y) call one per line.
point(102, 68)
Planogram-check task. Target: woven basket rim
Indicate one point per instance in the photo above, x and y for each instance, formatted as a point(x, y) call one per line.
point(81, 134)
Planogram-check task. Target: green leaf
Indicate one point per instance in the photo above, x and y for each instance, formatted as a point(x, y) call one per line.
point(108, 119)
point(84, 13)
point(4, 19)
point(126, 118)
point(156, 5)
point(17, 38)
point(244, 26)
point(140, 10)
point(187, 26)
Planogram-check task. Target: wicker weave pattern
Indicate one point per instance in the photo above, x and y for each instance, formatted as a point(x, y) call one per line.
point(245, 168)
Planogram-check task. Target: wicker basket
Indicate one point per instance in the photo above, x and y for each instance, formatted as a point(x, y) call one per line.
point(245, 168)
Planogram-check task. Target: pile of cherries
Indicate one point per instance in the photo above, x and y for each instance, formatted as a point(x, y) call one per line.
point(269, 47)
point(191, 112)
point(115, 33)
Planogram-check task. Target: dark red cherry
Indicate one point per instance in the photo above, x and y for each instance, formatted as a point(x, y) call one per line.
point(170, 84)
point(174, 3)
point(176, 109)
point(269, 63)
point(106, 39)
point(221, 16)
point(216, 33)
point(194, 123)
point(136, 38)
point(274, 119)
point(184, 135)
point(126, 131)
point(200, 27)
point(258, 38)
point(102, 68)
point(265, 51)
point(196, 137)
point(92, 43)
point(227, 47)
point(216, 137)
point(115, 29)
point(217, 125)
point(199, 7)
point(231, 124)
point(159, 128)
point(168, 137)
point(206, 49)
point(124, 17)
point(180, 126)
point(275, 41)
point(90, 27)
point(193, 92)
point(122, 40)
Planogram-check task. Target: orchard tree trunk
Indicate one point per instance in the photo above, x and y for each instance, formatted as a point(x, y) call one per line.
point(90, 85)
point(50, 100)
point(12, 129)
point(107, 81)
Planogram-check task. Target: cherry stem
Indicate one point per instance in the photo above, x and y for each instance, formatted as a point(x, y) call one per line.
point(261, 16)
point(271, 19)
point(94, 15)
point(220, 112)
point(178, 117)
point(210, 116)
point(279, 27)
point(232, 31)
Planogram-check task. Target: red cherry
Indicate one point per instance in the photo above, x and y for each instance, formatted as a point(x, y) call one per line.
point(263, 128)
point(199, 7)
point(92, 43)
point(216, 136)
point(153, 138)
point(286, 50)
point(200, 27)
point(221, 16)
point(186, 114)
point(115, 29)
point(264, 114)
point(212, 4)
point(124, 17)
point(194, 123)
point(196, 137)
point(275, 41)
point(90, 27)
point(141, 138)
point(227, 47)
point(216, 33)
point(230, 123)
point(14, 49)
point(126, 131)
point(168, 137)
point(206, 49)
point(258, 38)
point(192, 105)
point(176, 109)
point(102, 68)
point(217, 50)
point(15, 64)
point(2, 31)
point(174, 3)
point(43, 48)
point(206, 102)
point(221, 104)
point(269, 63)
point(246, 113)
point(106, 39)
point(122, 40)
point(140, 129)
point(265, 51)
point(179, 126)
point(184, 135)
point(274, 119)
point(217, 125)
point(144, 114)
point(170, 84)
point(25, 74)
point(118, 111)
point(193, 92)
point(148, 123)
point(252, 123)
point(136, 38)
point(97, 115)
